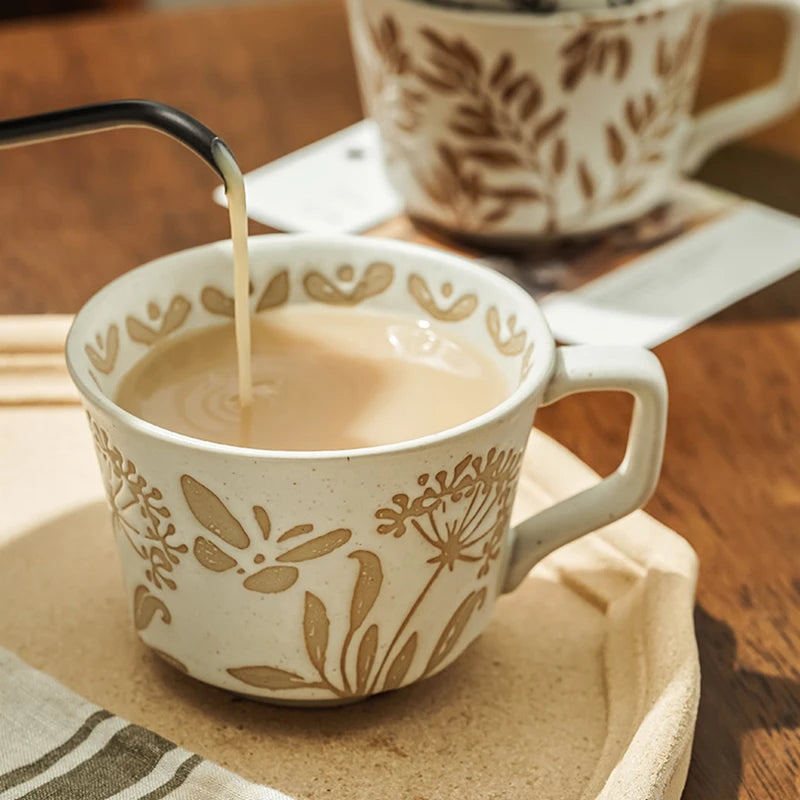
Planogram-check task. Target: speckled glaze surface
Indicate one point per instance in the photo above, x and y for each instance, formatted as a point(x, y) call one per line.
point(324, 577)
point(521, 125)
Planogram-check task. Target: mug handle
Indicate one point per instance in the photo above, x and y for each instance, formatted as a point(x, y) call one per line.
point(732, 119)
point(587, 368)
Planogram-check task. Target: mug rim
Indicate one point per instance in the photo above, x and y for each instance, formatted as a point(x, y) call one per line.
point(569, 18)
point(539, 374)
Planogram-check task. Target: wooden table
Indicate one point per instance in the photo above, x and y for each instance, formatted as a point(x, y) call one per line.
point(272, 78)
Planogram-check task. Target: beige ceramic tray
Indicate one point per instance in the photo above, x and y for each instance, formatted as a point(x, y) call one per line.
point(585, 685)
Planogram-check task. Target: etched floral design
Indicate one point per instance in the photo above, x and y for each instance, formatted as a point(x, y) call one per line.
point(228, 532)
point(346, 289)
point(514, 344)
point(274, 294)
point(139, 514)
point(103, 353)
point(162, 322)
point(649, 121)
point(138, 511)
point(463, 514)
point(599, 48)
point(395, 102)
point(500, 123)
point(456, 310)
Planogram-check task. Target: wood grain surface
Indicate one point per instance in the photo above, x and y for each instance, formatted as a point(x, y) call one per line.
point(270, 79)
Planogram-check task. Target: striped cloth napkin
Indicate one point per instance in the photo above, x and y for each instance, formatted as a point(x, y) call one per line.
point(54, 745)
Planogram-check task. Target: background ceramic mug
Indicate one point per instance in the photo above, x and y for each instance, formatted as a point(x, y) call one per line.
point(327, 576)
point(520, 125)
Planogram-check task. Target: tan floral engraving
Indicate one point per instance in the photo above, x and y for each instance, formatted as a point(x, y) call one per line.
point(500, 121)
point(515, 343)
point(377, 278)
point(145, 606)
point(175, 315)
point(593, 49)
point(638, 145)
point(393, 102)
point(275, 294)
point(138, 511)
point(459, 309)
point(104, 358)
point(209, 510)
point(463, 514)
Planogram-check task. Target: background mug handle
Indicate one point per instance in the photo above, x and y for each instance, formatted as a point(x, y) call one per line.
point(586, 369)
point(742, 115)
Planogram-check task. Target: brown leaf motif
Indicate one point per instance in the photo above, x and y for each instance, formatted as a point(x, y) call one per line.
point(216, 301)
point(210, 511)
point(615, 144)
point(456, 311)
point(454, 629)
point(275, 293)
point(145, 606)
point(367, 588)
point(316, 629)
point(592, 50)
point(463, 514)
point(653, 117)
point(211, 557)
point(585, 181)
point(317, 548)
point(138, 511)
point(104, 358)
point(172, 319)
point(399, 669)
point(499, 113)
point(515, 343)
point(272, 580)
point(366, 658)
point(376, 279)
point(270, 678)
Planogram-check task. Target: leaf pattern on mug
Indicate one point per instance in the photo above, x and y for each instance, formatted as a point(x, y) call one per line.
point(345, 290)
point(597, 48)
point(139, 513)
point(275, 293)
point(399, 667)
point(145, 606)
point(514, 344)
point(462, 514)
point(104, 357)
point(455, 311)
point(394, 98)
point(455, 628)
point(500, 119)
point(168, 321)
point(212, 513)
point(648, 122)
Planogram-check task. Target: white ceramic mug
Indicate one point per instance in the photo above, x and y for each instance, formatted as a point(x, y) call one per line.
point(518, 126)
point(323, 577)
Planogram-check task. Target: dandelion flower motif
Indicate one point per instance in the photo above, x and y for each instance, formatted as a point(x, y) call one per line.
point(462, 514)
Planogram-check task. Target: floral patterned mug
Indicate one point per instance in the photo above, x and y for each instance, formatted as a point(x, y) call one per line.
point(324, 577)
point(502, 125)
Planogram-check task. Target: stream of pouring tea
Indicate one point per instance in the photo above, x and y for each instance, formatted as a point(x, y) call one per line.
point(237, 210)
